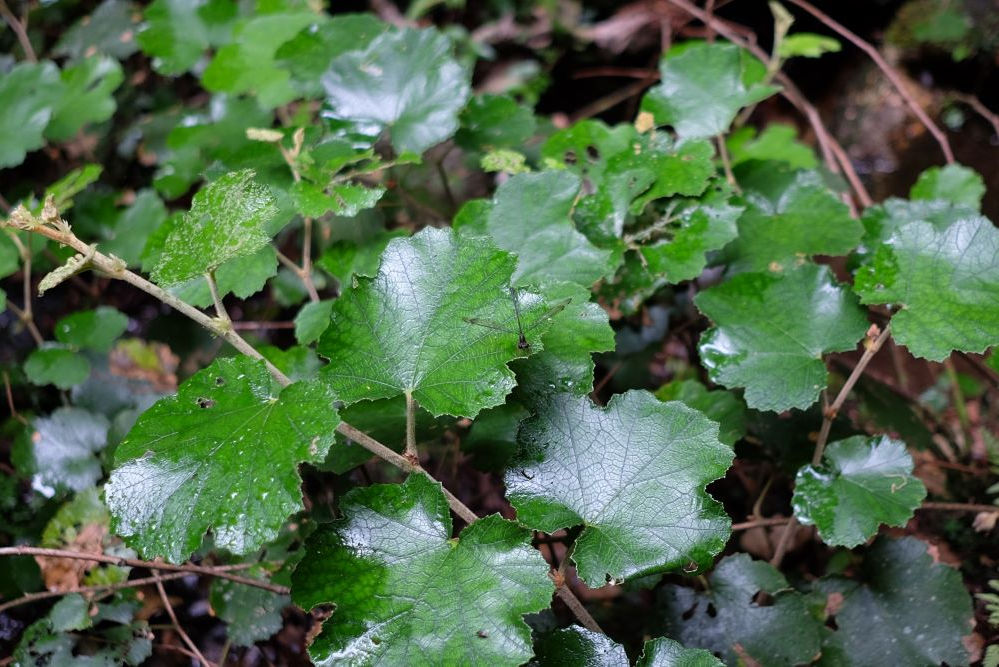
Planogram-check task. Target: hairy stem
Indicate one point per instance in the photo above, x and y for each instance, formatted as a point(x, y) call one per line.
point(411, 452)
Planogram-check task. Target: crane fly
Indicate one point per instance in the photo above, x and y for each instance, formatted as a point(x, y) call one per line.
point(522, 343)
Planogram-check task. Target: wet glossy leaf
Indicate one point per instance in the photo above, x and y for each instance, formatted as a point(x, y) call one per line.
point(694, 232)
point(771, 331)
point(953, 182)
point(310, 53)
point(633, 473)
point(30, 92)
point(109, 31)
point(728, 619)
point(87, 96)
point(64, 449)
point(247, 64)
point(578, 647)
point(93, 329)
point(718, 405)
point(530, 217)
point(312, 320)
point(176, 33)
point(221, 455)
point(861, 484)
point(703, 86)
point(943, 278)
point(789, 214)
point(905, 610)
point(408, 329)
point(251, 614)
point(227, 219)
point(58, 365)
point(665, 652)
point(401, 585)
point(494, 121)
point(576, 332)
point(406, 81)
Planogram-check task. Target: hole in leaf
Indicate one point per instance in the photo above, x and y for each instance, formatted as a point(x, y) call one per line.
point(689, 614)
point(763, 599)
point(570, 157)
point(592, 154)
point(219, 381)
point(205, 403)
point(712, 612)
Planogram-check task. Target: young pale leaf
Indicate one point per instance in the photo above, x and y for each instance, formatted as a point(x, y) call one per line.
point(415, 326)
point(771, 331)
point(58, 365)
point(221, 455)
point(30, 91)
point(406, 81)
point(697, 230)
point(402, 587)
point(945, 279)
point(863, 483)
point(907, 610)
point(176, 33)
point(530, 217)
point(789, 214)
point(577, 331)
point(722, 406)
point(86, 98)
point(633, 473)
point(704, 86)
point(64, 448)
point(251, 614)
point(727, 616)
point(954, 183)
point(246, 63)
point(227, 219)
point(94, 329)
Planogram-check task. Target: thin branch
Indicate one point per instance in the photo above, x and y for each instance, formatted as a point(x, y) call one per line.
point(613, 99)
point(28, 322)
point(18, 28)
point(10, 400)
point(306, 274)
point(213, 287)
point(959, 404)
point(785, 542)
point(981, 109)
point(575, 606)
point(888, 71)
point(726, 162)
point(257, 326)
point(108, 588)
point(411, 452)
point(959, 507)
point(759, 523)
point(189, 568)
point(176, 624)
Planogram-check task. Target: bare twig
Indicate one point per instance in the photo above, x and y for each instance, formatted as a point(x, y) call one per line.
point(726, 162)
point(189, 568)
point(220, 310)
point(10, 400)
point(785, 541)
point(176, 624)
point(18, 28)
point(613, 99)
point(759, 523)
point(108, 588)
point(411, 452)
point(257, 326)
point(958, 507)
point(981, 109)
point(574, 605)
point(888, 71)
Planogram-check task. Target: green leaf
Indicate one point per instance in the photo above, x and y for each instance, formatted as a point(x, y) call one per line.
point(906, 610)
point(664, 652)
point(64, 448)
point(406, 81)
point(407, 330)
point(221, 455)
point(576, 332)
point(492, 440)
point(777, 142)
point(402, 586)
point(309, 54)
point(694, 232)
point(127, 237)
point(312, 320)
point(703, 86)
point(227, 219)
point(530, 217)
point(30, 91)
point(247, 62)
point(494, 121)
point(578, 647)
point(93, 329)
point(10, 258)
point(955, 183)
point(633, 473)
point(109, 31)
point(345, 259)
point(345, 199)
point(298, 363)
point(66, 188)
point(719, 405)
point(87, 96)
point(789, 214)
point(945, 281)
point(771, 331)
point(808, 45)
point(58, 365)
point(242, 276)
point(251, 614)
point(728, 615)
point(176, 33)
point(862, 483)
